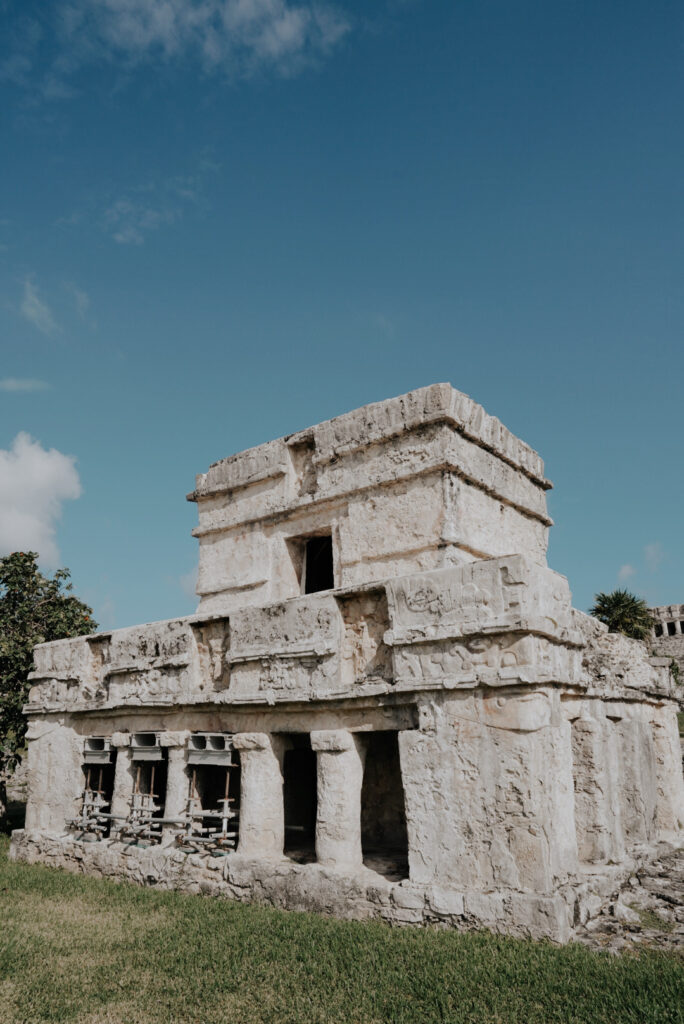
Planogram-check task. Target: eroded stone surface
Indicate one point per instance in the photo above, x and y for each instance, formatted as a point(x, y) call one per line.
point(435, 737)
point(648, 911)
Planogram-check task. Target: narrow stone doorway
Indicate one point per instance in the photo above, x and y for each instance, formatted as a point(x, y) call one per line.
point(300, 798)
point(384, 839)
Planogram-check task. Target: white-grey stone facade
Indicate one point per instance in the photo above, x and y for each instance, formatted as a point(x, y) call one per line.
point(384, 691)
point(667, 635)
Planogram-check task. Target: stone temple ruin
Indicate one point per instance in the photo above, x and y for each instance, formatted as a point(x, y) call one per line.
point(385, 705)
point(667, 635)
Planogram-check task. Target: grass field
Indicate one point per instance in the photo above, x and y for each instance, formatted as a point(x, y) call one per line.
point(93, 952)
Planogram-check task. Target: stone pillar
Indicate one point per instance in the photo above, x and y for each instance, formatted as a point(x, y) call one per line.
point(176, 800)
point(262, 813)
point(597, 808)
point(637, 779)
point(123, 777)
point(340, 760)
point(669, 810)
point(56, 777)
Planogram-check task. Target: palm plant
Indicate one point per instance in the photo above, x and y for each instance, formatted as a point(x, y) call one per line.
point(623, 612)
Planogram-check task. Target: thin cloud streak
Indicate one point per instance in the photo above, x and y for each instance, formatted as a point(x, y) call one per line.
point(144, 209)
point(23, 384)
point(36, 310)
point(653, 556)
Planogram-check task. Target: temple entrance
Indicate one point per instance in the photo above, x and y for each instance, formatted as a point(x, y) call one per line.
point(384, 839)
point(300, 798)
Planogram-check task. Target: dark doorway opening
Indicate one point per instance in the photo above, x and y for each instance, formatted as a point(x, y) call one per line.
point(318, 565)
point(384, 839)
point(149, 788)
point(98, 791)
point(300, 798)
point(214, 804)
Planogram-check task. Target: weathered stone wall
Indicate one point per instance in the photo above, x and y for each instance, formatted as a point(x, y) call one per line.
point(667, 635)
point(464, 725)
point(420, 482)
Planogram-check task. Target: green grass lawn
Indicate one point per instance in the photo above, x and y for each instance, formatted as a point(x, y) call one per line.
point(80, 949)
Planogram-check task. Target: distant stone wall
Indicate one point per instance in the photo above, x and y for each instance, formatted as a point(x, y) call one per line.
point(667, 636)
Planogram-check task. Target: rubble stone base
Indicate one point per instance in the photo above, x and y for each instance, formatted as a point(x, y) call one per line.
point(305, 887)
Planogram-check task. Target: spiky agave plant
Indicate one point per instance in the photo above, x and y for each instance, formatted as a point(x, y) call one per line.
point(623, 612)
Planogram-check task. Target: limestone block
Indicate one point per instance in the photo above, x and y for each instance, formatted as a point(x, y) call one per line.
point(482, 807)
point(176, 780)
point(502, 659)
point(669, 810)
point(262, 822)
point(597, 802)
point(638, 789)
point(238, 561)
point(288, 650)
point(405, 517)
point(123, 778)
point(340, 760)
point(54, 754)
point(364, 653)
point(445, 902)
point(490, 596)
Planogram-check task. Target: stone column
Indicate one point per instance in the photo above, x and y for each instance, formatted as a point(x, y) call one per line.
point(56, 777)
point(597, 808)
point(637, 779)
point(262, 813)
point(340, 760)
point(176, 800)
point(123, 777)
point(669, 808)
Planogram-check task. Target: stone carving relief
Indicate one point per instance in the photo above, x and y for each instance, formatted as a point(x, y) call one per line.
point(151, 687)
point(365, 655)
point(213, 643)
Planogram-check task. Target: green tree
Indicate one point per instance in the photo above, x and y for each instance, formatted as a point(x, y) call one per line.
point(33, 609)
point(623, 612)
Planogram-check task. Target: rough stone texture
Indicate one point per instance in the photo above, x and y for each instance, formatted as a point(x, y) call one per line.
point(468, 748)
point(646, 911)
point(667, 636)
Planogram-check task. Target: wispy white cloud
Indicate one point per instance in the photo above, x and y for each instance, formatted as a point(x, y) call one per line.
point(626, 571)
point(132, 217)
point(233, 37)
point(81, 301)
point(188, 583)
point(23, 384)
point(130, 222)
point(36, 310)
point(653, 556)
point(34, 484)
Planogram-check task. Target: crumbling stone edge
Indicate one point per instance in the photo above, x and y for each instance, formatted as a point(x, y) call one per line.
point(314, 888)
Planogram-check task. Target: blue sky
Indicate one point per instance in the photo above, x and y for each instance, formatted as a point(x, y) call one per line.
point(223, 221)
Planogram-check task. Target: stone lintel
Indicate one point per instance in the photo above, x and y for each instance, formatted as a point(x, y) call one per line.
point(332, 740)
point(174, 739)
point(251, 740)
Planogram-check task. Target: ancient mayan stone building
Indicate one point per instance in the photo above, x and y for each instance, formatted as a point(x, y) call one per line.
point(667, 637)
point(385, 705)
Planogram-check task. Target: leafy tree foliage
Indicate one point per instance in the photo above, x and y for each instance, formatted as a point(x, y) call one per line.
point(33, 609)
point(623, 612)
